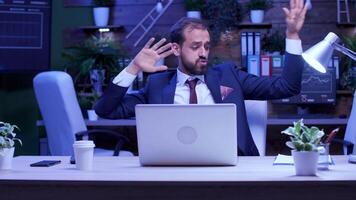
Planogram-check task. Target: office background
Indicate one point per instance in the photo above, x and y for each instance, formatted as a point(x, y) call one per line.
point(17, 101)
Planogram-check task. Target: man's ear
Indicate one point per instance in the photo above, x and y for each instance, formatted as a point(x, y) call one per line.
point(176, 49)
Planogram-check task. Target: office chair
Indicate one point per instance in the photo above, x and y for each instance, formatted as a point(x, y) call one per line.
point(256, 112)
point(63, 119)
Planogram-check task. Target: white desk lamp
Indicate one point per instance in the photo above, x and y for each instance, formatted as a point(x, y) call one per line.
point(319, 55)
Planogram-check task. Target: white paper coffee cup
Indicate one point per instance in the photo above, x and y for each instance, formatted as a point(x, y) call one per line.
point(83, 153)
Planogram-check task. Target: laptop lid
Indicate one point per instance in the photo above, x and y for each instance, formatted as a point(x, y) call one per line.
point(172, 134)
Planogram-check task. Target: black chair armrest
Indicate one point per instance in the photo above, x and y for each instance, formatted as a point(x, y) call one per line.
point(349, 145)
point(120, 139)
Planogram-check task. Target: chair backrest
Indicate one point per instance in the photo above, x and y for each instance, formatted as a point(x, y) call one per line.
point(60, 110)
point(350, 134)
point(257, 121)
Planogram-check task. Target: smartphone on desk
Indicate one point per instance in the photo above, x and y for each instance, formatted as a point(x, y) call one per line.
point(45, 163)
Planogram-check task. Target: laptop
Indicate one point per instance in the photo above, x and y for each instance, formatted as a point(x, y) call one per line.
point(172, 134)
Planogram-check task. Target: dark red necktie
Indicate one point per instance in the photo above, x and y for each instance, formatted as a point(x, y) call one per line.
point(193, 95)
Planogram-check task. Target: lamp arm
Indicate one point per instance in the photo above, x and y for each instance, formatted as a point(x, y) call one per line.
point(344, 50)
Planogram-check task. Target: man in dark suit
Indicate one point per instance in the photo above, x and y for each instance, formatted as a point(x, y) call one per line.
point(190, 43)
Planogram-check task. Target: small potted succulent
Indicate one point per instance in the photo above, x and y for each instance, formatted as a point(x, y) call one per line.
point(304, 142)
point(7, 142)
point(194, 8)
point(101, 11)
point(257, 9)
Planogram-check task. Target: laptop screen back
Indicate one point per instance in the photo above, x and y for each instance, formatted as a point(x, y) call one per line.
point(171, 134)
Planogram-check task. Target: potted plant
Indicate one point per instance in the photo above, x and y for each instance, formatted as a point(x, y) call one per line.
point(304, 142)
point(273, 43)
point(194, 8)
point(348, 77)
point(97, 57)
point(87, 102)
point(7, 142)
point(222, 16)
point(101, 11)
point(257, 9)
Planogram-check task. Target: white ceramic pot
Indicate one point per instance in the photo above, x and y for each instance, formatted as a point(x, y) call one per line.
point(305, 162)
point(101, 16)
point(194, 14)
point(92, 116)
point(256, 16)
point(6, 156)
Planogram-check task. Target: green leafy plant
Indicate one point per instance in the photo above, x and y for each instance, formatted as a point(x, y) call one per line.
point(272, 42)
point(347, 80)
point(259, 4)
point(8, 135)
point(194, 5)
point(222, 16)
point(88, 101)
point(95, 53)
point(302, 137)
point(102, 3)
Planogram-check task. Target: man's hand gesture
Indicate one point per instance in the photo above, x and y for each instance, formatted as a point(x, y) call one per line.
point(295, 18)
point(145, 60)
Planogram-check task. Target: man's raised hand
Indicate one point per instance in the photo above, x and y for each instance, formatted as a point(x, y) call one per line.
point(295, 16)
point(145, 59)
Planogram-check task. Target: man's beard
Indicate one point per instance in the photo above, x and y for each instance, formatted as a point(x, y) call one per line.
point(193, 68)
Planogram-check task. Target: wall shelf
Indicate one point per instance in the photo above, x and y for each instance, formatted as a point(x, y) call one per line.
point(346, 25)
point(254, 26)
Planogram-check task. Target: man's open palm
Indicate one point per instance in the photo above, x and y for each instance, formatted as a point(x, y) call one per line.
point(295, 16)
point(145, 60)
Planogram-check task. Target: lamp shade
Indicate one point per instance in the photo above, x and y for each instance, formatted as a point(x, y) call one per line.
point(319, 55)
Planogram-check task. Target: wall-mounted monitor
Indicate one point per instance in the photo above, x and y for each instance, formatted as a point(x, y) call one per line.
point(25, 35)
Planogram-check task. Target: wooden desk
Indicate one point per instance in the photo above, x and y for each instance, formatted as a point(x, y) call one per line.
point(270, 121)
point(123, 178)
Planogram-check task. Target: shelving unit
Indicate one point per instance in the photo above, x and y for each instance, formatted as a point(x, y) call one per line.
point(254, 26)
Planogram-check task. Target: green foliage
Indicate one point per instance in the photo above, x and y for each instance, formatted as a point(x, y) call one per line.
point(222, 16)
point(87, 102)
point(95, 53)
point(347, 80)
point(102, 3)
point(273, 42)
point(302, 137)
point(7, 135)
point(259, 4)
point(194, 5)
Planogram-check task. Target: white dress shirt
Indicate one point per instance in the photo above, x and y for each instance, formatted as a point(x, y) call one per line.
point(125, 79)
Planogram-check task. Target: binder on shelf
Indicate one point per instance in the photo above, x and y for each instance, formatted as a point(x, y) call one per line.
point(266, 65)
point(253, 64)
point(250, 50)
point(257, 43)
point(336, 65)
point(244, 50)
point(277, 61)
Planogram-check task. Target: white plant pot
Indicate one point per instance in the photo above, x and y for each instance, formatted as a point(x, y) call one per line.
point(101, 16)
point(6, 156)
point(92, 116)
point(194, 14)
point(305, 162)
point(256, 16)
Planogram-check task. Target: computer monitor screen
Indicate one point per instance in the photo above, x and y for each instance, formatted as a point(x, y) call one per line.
point(317, 88)
point(25, 35)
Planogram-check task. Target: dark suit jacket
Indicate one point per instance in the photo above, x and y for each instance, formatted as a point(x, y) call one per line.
point(160, 89)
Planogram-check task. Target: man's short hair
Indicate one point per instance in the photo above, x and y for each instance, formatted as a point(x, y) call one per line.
point(177, 30)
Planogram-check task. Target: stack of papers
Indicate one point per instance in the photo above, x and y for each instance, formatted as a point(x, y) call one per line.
point(288, 160)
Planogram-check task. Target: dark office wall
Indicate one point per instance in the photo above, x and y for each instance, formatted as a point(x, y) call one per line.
point(17, 100)
point(65, 17)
